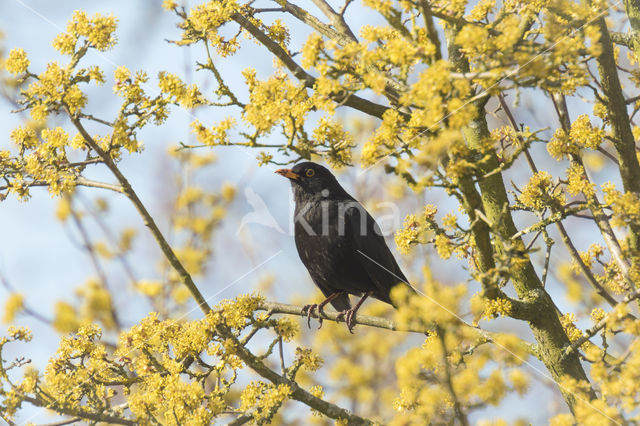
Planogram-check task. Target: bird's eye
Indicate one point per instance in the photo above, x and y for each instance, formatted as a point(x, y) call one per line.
point(309, 172)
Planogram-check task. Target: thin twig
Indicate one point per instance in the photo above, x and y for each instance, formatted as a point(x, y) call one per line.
point(283, 370)
point(88, 246)
point(457, 409)
point(589, 333)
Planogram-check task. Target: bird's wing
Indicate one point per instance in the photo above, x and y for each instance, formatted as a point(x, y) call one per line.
point(372, 251)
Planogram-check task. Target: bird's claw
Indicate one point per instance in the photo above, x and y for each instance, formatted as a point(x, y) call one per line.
point(349, 319)
point(308, 309)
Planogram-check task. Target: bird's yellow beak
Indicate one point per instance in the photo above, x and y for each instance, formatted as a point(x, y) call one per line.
point(288, 173)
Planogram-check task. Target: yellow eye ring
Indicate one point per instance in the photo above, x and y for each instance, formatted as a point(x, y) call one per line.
point(309, 172)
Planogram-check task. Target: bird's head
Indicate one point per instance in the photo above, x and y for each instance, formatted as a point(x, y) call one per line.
point(311, 179)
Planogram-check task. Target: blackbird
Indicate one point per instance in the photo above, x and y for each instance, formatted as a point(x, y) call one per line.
point(339, 243)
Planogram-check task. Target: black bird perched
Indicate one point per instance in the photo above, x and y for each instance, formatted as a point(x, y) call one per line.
point(339, 243)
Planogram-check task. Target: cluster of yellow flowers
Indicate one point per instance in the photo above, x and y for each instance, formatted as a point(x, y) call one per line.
point(148, 364)
point(97, 31)
point(187, 97)
point(540, 193)
point(339, 143)
point(441, 372)
point(414, 229)
point(625, 206)
point(581, 135)
point(13, 306)
point(264, 112)
point(17, 62)
point(42, 157)
point(44, 153)
point(495, 307)
point(264, 399)
point(204, 22)
point(217, 135)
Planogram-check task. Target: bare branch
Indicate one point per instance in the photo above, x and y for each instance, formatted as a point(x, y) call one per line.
point(88, 246)
point(95, 417)
point(337, 19)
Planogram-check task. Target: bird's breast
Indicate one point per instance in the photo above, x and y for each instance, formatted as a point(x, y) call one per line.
point(322, 218)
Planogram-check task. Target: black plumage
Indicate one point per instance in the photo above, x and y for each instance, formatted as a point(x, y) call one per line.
point(339, 242)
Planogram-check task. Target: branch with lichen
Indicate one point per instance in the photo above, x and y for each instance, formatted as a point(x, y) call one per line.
point(385, 323)
point(546, 326)
point(631, 39)
point(336, 18)
point(617, 111)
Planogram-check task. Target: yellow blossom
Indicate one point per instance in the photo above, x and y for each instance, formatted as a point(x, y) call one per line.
point(13, 306)
point(17, 61)
point(444, 246)
point(149, 288)
point(597, 314)
point(495, 307)
point(540, 193)
point(568, 320)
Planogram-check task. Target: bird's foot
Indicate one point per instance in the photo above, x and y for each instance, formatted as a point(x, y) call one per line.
point(309, 309)
point(348, 316)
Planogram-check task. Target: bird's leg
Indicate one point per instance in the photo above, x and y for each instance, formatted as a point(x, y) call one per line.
point(320, 307)
point(350, 313)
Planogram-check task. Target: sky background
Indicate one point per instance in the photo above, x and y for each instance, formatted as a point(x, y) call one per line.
point(40, 256)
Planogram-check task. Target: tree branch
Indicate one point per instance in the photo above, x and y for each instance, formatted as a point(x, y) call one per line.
point(622, 39)
point(599, 217)
point(632, 7)
point(79, 413)
point(624, 140)
point(337, 19)
point(324, 29)
point(88, 246)
point(127, 189)
point(457, 408)
point(309, 81)
point(392, 87)
point(378, 322)
point(80, 181)
point(545, 326)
